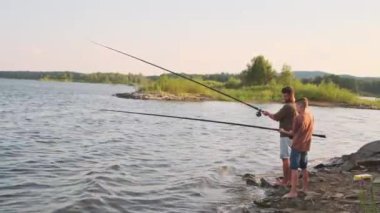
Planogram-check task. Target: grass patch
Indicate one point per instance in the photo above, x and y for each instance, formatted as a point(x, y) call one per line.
point(324, 92)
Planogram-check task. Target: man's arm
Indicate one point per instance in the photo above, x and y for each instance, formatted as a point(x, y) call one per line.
point(278, 116)
point(266, 113)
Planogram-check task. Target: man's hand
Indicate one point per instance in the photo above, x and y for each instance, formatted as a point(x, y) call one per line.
point(266, 113)
point(283, 131)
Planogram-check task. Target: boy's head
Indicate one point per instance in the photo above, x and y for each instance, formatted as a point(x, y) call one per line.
point(288, 94)
point(302, 104)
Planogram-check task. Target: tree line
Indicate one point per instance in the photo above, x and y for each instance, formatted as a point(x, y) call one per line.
point(259, 72)
point(114, 78)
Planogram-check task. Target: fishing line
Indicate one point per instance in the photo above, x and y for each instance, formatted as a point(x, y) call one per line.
point(258, 114)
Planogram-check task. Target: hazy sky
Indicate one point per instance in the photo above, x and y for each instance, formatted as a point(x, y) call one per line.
point(194, 36)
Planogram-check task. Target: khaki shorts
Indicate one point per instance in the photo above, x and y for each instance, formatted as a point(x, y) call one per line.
point(285, 147)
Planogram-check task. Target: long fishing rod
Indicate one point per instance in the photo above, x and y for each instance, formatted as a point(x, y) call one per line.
point(258, 114)
point(202, 120)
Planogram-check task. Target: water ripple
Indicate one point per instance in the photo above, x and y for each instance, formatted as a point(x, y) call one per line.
point(60, 154)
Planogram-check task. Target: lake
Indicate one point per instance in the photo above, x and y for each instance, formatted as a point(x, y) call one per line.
point(60, 153)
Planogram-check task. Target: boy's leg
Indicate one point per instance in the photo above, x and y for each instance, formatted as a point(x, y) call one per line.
point(305, 184)
point(294, 165)
point(305, 173)
point(294, 182)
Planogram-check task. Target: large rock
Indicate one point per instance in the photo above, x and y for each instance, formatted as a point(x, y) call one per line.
point(368, 156)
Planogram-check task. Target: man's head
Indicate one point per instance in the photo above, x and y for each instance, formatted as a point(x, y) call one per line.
point(302, 104)
point(288, 94)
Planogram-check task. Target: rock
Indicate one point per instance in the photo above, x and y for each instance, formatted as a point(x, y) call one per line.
point(338, 195)
point(348, 165)
point(264, 183)
point(326, 196)
point(251, 179)
point(370, 150)
point(313, 174)
point(333, 162)
point(310, 195)
point(317, 179)
point(351, 197)
point(368, 156)
point(263, 203)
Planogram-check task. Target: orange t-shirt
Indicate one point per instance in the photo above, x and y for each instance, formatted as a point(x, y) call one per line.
point(302, 131)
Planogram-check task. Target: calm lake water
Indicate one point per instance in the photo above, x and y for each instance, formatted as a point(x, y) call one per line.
point(59, 153)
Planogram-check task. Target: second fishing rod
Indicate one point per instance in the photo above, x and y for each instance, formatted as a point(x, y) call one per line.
point(259, 111)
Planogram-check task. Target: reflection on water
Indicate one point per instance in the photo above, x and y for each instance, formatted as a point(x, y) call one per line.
point(59, 153)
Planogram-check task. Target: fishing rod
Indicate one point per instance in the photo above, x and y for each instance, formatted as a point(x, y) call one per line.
point(259, 111)
point(202, 120)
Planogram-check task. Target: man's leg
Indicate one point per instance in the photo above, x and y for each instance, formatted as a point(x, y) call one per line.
point(286, 171)
point(285, 144)
point(294, 165)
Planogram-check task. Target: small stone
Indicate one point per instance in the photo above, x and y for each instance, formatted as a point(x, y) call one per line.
point(313, 174)
point(310, 195)
point(338, 195)
point(327, 196)
point(252, 182)
point(248, 175)
point(351, 197)
point(319, 166)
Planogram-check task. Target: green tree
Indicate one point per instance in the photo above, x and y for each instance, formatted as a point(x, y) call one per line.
point(259, 72)
point(286, 76)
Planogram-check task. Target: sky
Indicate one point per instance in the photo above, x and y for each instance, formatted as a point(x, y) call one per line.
point(197, 36)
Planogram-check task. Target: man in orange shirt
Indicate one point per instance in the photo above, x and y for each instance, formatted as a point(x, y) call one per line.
point(302, 132)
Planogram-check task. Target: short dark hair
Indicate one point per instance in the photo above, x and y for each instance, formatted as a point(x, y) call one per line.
point(287, 90)
point(304, 101)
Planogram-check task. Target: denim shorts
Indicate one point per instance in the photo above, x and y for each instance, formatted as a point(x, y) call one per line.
point(285, 144)
point(298, 160)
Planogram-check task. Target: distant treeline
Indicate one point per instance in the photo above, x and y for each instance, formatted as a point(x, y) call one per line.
point(113, 78)
point(258, 73)
point(362, 86)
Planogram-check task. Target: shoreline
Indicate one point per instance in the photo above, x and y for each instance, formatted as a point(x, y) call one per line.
point(162, 96)
point(331, 186)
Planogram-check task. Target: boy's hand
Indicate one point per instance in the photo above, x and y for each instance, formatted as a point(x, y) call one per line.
point(281, 130)
point(266, 113)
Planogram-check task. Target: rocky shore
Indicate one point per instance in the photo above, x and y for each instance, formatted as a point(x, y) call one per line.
point(331, 188)
point(162, 96)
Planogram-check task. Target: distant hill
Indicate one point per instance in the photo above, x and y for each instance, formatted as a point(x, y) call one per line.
point(309, 74)
point(367, 86)
point(314, 74)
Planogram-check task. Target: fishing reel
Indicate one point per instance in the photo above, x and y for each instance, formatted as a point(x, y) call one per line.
point(258, 113)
